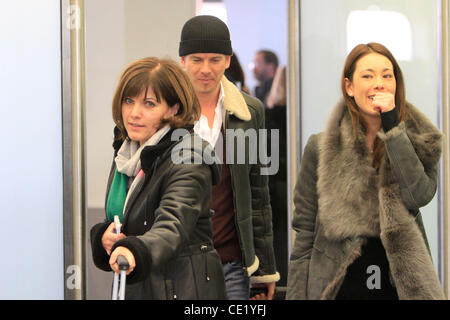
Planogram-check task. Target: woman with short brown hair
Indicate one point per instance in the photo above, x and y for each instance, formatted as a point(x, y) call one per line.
point(163, 206)
point(169, 83)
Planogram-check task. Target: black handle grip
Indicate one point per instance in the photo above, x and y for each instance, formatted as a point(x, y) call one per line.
point(123, 263)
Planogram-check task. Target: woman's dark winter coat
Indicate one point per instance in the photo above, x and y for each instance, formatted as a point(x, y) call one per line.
point(340, 201)
point(167, 222)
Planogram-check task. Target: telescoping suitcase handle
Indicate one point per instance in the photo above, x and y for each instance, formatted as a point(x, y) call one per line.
point(119, 293)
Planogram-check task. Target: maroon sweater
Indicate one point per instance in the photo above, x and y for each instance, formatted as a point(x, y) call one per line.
point(225, 235)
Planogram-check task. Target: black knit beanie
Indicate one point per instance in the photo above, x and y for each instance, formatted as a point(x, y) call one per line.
point(205, 34)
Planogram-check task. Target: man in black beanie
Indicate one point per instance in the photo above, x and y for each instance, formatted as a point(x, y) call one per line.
point(242, 222)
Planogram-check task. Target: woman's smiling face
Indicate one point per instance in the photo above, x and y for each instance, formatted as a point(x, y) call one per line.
point(373, 78)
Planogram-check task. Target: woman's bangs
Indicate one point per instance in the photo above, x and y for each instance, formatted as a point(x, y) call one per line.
point(136, 85)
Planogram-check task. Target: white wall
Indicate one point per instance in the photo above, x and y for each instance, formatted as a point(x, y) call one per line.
point(255, 25)
point(117, 33)
point(105, 58)
point(32, 264)
point(324, 48)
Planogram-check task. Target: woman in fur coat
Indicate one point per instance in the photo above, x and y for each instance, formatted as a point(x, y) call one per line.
point(361, 183)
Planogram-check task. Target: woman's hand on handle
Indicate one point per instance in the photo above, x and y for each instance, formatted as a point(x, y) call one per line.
point(123, 252)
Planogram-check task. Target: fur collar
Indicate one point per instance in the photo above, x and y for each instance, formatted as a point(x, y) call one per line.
point(347, 183)
point(234, 101)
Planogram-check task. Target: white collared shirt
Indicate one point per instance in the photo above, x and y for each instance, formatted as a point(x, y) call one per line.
point(202, 128)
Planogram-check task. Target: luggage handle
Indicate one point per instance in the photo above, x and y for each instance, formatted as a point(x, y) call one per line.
point(119, 293)
point(123, 263)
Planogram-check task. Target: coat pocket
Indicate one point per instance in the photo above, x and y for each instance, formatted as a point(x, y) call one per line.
point(208, 273)
point(179, 280)
point(331, 249)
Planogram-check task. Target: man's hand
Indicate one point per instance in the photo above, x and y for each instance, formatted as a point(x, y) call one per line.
point(262, 296)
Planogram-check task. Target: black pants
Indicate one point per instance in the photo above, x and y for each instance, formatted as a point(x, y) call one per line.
point(367, 277)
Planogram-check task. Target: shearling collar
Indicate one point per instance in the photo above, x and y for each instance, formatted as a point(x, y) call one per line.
point(347, 182)
point(234, 102)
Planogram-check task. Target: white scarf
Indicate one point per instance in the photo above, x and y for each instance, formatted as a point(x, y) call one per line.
point(128, 159)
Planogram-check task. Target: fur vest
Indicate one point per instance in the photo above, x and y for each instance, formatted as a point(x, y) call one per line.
point(356, 202)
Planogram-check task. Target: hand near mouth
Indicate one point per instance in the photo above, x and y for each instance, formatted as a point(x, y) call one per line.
point(383, 101)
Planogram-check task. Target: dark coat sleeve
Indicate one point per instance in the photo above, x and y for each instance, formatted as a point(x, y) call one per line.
point(99, 255)
point(416, 176)
point(186, 192)
point(262, 211)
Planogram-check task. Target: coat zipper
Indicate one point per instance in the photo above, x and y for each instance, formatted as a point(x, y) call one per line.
point(204, 250)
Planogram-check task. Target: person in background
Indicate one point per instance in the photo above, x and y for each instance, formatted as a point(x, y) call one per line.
point(276, 120)
point(361, 183)
point(235, 74)
point(242, 222)
point(163, 205)
point(265, 65)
